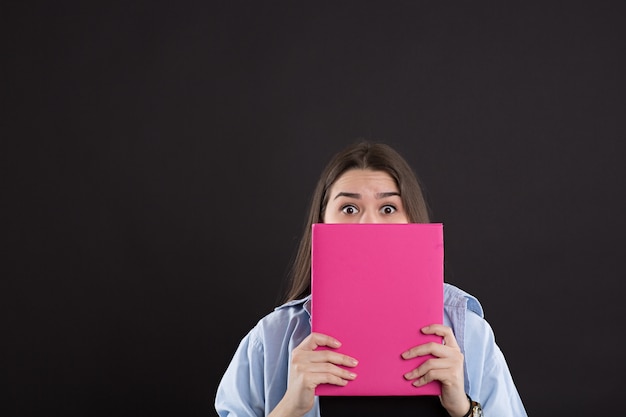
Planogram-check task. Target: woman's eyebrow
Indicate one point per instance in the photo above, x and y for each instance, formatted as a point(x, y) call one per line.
point(387, 194)
point(344, 194)
point(358, 196)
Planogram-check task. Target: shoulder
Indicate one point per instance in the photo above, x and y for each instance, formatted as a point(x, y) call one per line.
point(291, 318)
point(291, 310)
point(287, 311)
point(467, 319)
point(456, 298)
point(464, 314)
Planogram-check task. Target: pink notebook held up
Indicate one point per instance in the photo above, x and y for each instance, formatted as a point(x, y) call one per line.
point(374, 286)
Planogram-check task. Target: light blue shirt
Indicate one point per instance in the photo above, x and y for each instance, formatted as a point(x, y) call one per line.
point(256, 378)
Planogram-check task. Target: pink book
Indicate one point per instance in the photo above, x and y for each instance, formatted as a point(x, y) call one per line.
point(374, 286)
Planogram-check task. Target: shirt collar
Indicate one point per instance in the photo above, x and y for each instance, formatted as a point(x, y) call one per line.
point(306, 304)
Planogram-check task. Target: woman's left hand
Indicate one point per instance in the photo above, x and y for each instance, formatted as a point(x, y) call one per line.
point(446, 367)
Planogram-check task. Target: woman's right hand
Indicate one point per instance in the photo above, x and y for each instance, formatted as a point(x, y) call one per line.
point(309, 368)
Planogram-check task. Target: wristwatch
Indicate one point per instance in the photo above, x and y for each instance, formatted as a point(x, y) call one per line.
point(475, 410)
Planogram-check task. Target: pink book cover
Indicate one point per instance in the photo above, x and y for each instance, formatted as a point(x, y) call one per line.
point(374, 286)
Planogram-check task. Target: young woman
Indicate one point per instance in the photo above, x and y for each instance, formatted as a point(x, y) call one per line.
point(276, 367)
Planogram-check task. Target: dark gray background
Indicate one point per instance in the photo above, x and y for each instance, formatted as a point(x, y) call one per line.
point(158, 159)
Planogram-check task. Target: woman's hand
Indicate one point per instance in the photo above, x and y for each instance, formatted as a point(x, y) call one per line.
point(308, 369)
point(446, 367)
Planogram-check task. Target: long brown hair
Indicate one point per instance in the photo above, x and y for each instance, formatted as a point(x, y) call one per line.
point(361, 155)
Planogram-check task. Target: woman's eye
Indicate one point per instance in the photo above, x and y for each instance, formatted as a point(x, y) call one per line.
point(388, 209)
point(349, 209)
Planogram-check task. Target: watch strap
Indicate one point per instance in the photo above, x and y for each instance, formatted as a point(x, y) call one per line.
point(475, 409)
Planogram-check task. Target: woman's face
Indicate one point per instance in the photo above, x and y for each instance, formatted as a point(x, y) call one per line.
point(364, 196)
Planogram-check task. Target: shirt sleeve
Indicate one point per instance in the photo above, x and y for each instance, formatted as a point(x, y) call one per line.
point(240, 392)
point(489, 378)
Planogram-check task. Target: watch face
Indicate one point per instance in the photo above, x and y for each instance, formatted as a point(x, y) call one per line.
point(477, 410)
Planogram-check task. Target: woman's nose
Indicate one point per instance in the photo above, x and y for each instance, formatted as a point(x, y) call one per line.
point(369, 217)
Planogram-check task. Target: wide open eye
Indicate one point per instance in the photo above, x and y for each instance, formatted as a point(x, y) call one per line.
point(349, 209)
point(388, 209)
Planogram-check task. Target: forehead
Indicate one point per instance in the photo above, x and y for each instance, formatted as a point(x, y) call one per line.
point(364, 179)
